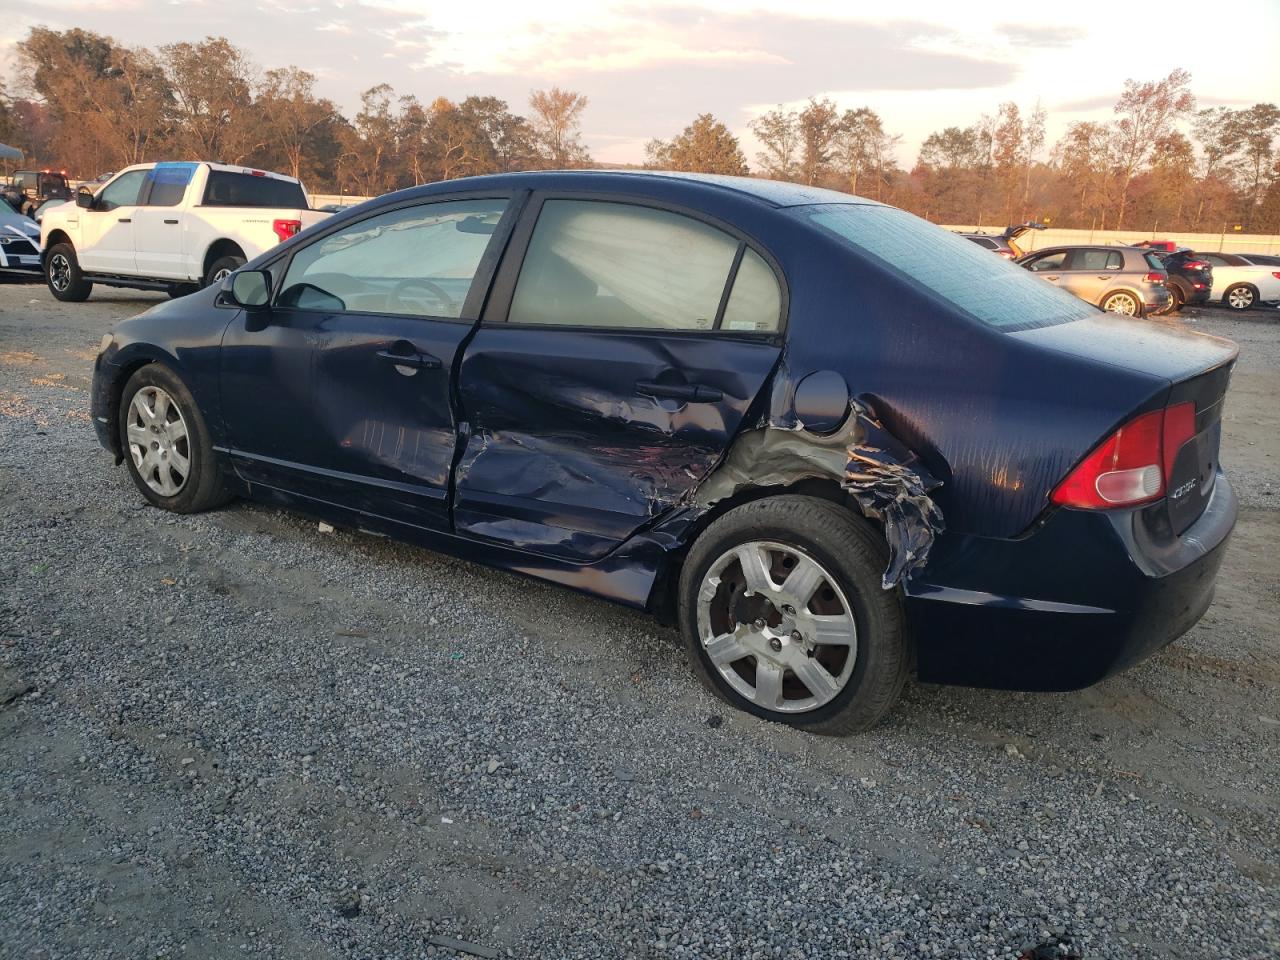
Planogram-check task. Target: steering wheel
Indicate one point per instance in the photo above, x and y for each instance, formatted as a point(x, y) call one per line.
point(431, 287)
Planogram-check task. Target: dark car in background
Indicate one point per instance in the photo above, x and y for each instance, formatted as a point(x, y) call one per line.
point(1260, 259)
point(29, 189)
point(1190, 276)
point(1122, 280)
point(1005, 244)
point(824, 436)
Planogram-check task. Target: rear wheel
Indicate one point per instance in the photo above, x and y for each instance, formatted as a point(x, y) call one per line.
point(1122, 302)
point(784, 615)
point(166, 443)
point(1240, 296)
point(62, 274)
point(176, 290)
point(222, 268)
point(1176, 299)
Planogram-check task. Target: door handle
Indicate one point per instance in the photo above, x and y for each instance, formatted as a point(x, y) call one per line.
point(171, 221)
point(688, 392)
point(422, 361)
point(125, 219)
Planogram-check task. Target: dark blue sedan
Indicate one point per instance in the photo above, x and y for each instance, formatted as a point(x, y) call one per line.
point(825, 437)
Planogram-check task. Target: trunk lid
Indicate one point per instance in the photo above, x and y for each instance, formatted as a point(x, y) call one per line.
point(1197, 368)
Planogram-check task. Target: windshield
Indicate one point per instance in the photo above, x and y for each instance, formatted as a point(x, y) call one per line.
point(987, 287)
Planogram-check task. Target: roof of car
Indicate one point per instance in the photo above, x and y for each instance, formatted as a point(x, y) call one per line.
point(773, 192)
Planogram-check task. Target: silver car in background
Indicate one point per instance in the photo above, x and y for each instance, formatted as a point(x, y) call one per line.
point(1124, 280)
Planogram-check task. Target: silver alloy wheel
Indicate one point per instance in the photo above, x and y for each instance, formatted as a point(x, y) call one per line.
point(1240, 298)
point(60, 271)
point(777, 626)
point(158, 441)
point(221, 275)
point(1122, 303)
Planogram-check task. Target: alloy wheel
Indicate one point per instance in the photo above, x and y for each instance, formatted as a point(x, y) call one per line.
point(158, 441)
point(1122, 304)
point(221, 275)
point(1240, 298)
point(777, 626)
point(60, 272)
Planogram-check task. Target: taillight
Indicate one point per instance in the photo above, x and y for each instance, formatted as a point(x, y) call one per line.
point(1154, 277)
point(1276, 275)
point(1197, 265)
point(285, 228)
point(1132, 465)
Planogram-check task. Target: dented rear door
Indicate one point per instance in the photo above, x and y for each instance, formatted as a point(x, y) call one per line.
point(623, 348)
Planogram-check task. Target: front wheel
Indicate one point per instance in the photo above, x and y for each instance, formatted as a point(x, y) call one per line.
point(1125, 304)
point(166, 443)
point(783, 612)
point(222, 268)
point(1241, 296)
point(62, 274)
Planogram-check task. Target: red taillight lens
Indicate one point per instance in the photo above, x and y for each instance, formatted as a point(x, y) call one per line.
point(286, 228)
point(1156, 277)
point(1276, 275)
point(1132, 465)
point(1196, 265)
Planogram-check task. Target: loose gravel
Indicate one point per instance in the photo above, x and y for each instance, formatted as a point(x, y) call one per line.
point(233, 734)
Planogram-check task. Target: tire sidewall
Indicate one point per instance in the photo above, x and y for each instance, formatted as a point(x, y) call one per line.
point(203, 478)
point(77, 288)
point(861, 586)
point(228, 262)
point(1226, 297)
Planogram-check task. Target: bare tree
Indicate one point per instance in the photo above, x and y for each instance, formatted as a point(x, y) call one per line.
point(818, 126)
point(557, 121)
point(778, 133)
point(1147, 112)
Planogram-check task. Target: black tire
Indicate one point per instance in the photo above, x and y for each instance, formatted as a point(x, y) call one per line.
point(843, 542)
point(63, 276)
point(1122, 297)
point(222, 265)
point(1240, 296)
point(202, 488)
point(1176, 298)
point(176, 290)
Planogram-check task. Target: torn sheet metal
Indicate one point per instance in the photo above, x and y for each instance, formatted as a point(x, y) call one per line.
point(888, 481)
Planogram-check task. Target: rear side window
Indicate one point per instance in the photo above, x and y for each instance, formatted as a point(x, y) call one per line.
point(989, 289)
point(227, 189)
point(415, 261)
point(600, 264)
point(1154, 262)
point(985, 242)
point(1097, 260)
point(169, 183)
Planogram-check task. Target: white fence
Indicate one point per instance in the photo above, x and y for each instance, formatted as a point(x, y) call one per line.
point(1229, 242)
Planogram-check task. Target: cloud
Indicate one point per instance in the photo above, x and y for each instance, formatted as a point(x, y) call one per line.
point(1029, 35)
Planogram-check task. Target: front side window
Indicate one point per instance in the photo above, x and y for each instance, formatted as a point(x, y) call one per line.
point(598, 264)
point(415, 261)
point(1050, 261)
point(122, 191)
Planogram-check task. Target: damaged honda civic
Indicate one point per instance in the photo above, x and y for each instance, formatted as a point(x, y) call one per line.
point(830, 441)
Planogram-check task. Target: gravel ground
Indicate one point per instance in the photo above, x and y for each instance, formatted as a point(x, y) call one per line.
point(232, 734)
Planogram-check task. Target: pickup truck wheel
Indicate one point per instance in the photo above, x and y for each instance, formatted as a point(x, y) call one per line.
point(166, 443)
point(221, 268)
point(782, 609)
point(62, 274)
point(176, 290)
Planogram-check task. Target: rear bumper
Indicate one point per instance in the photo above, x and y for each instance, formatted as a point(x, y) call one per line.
point(1083, 596)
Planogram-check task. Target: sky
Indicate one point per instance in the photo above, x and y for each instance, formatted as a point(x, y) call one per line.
point(649, 68)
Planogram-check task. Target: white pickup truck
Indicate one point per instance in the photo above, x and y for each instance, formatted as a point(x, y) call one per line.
point(169, 226)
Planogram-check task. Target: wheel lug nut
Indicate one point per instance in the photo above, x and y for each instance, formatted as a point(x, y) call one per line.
point(759, 624)
point(796, 637)
point(775, 644)
point(789, 610)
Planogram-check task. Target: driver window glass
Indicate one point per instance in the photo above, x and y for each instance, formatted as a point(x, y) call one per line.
point(122, 191)
point(1050, 261)
point(415, 261)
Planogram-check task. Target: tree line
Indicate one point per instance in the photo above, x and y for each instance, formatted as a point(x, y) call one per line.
point(84, 102)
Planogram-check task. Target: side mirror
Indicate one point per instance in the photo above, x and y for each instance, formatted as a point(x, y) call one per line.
point(250, 289)
point(84, 198)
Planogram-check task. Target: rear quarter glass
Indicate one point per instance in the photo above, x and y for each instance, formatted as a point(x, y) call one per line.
point(991, 290)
